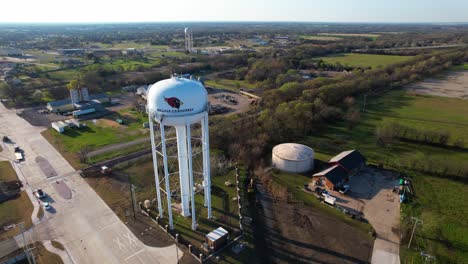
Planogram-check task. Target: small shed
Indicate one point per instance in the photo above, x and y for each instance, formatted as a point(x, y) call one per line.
point(332, 178)
point(217, 238)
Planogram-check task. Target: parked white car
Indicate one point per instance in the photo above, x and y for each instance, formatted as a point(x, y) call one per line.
point(46, 205)
point(39, 193)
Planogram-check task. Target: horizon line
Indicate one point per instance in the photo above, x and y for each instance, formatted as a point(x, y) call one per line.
point(227, 21)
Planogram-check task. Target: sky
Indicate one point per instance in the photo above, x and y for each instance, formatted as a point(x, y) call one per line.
point(75, 11)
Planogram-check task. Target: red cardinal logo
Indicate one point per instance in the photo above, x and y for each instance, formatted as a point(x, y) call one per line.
point(174, 102)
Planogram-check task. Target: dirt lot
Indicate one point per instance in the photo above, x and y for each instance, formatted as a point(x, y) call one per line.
point(302, 234)
point(454, 84)
point(220, 97)
point(371, 194)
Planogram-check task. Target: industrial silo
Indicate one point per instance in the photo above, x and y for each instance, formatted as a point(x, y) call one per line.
point(292, 157)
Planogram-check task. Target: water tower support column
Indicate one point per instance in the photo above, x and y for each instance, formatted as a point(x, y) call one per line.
point(192, 192)
point(206, 163)
point(166, 177)
point(183, 155)
point(155, 165)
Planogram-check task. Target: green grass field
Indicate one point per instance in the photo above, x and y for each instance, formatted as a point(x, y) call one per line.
point(123, 45)
point(230, 84)
point(102, 133)
point(463, 67)
point(364, 60)
point(16, 210)
point(321, 38)
point(439, 202)
point(7, 173)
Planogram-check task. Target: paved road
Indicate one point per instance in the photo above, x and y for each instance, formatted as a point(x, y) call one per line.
point(85, 225)
point(119, 146)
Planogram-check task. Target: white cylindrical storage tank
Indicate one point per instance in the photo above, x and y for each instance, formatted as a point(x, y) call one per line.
point(292, 157)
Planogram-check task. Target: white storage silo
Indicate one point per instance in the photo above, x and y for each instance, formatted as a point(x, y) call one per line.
point(292, 157)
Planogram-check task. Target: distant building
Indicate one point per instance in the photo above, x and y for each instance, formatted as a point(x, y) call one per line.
point(352, 161)
point(62, 106)
point(8, 51)
point(332, 178)
point(71, 52)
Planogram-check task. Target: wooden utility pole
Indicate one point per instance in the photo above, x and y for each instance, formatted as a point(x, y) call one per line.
point(416, 222)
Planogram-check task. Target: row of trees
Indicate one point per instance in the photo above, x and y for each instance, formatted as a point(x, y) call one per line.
point(321, 100)
point(388, 132)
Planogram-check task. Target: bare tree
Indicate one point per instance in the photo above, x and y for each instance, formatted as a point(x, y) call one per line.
point(83, 153)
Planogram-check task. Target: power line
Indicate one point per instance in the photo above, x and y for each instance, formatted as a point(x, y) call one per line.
point(416, 222)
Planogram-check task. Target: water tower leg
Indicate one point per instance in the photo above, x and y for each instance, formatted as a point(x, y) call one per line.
point(181, 132)
point(166, 177)
point(206, 163)
point(155, 166)
point(192, 192)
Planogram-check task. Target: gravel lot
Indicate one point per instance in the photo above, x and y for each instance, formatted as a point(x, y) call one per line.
point(454, 84)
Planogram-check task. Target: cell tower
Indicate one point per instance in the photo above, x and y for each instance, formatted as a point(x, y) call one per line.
point(188, 39)
point(178, 118)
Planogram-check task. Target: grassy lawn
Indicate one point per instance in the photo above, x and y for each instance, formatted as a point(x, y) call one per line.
point(123, 45)
point(230, 84)
point(348, 35)
point(103, 132)
point(7, 173)
point(43, 256)
point(15, 211)
point(321, 38)
point(409, 110)
point(440, 202)
point(69, 74)
point(463, 67)
point(364, 60)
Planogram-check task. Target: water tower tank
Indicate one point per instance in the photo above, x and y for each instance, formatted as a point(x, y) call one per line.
point(177, 97)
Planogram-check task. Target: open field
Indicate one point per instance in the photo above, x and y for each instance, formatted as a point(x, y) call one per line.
point(364, 60)
point(13, 212)
point(105, 131)
point(7, 173)
point(232, 85)
point(43, 256)
point(442, 229)
point(453, 84)
point(306, 231)
point(321, 38)
point(122, 45)
point(373, 36)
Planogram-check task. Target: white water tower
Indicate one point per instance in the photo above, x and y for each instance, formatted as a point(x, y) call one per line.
point(188, 39)
point(178, 117)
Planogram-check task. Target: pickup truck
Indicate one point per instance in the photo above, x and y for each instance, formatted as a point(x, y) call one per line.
point(19, 156)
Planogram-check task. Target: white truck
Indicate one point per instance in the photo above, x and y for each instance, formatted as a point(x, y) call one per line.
point(18, 156)
point(18, 153)
point(329, 199)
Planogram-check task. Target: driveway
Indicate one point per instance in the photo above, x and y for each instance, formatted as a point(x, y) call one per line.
point(371, 194)
point(84, 224)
